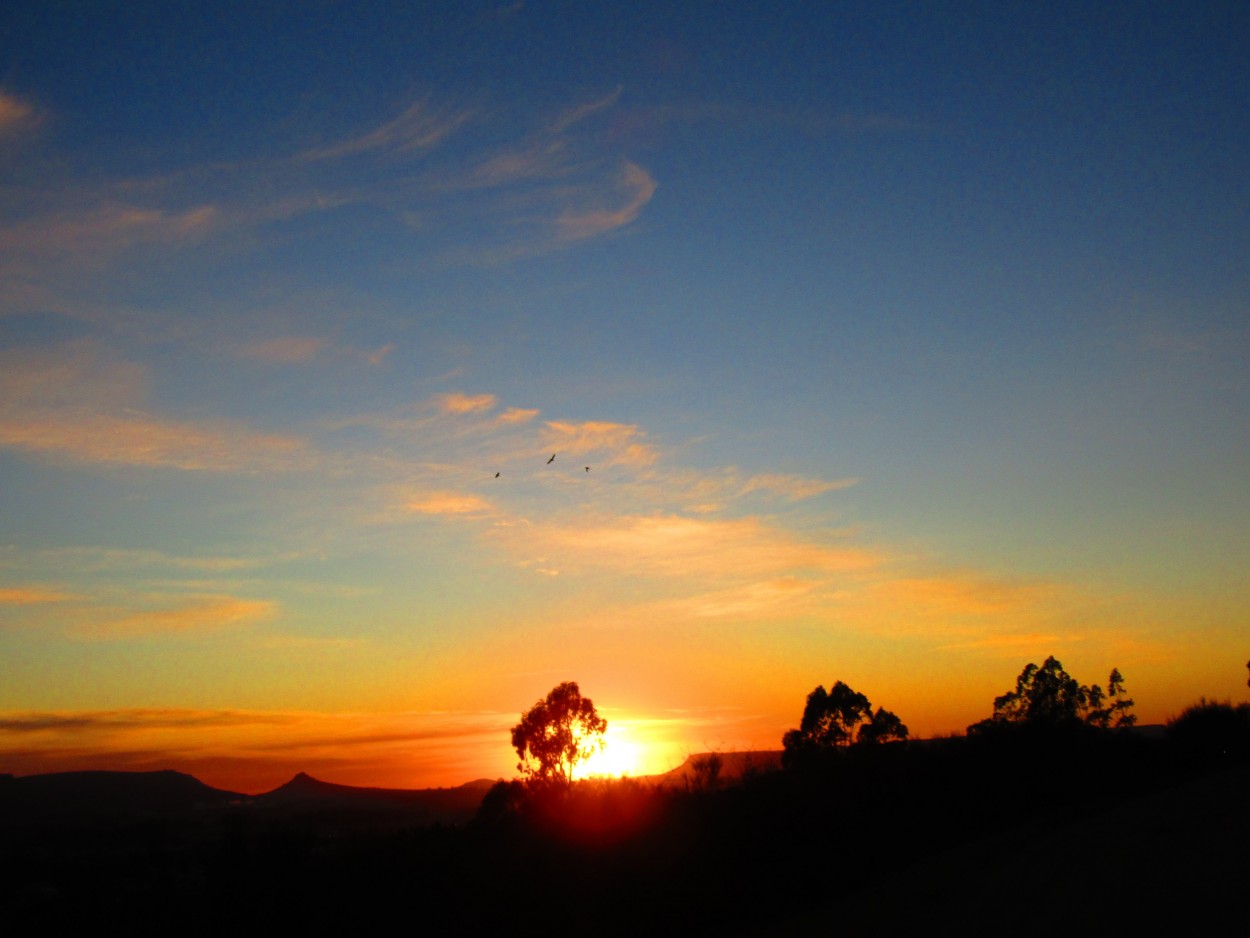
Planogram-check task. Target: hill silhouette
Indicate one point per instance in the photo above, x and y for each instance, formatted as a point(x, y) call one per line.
point(733, 766)
point(122, 797)
point(307, 796)
point(32, 798)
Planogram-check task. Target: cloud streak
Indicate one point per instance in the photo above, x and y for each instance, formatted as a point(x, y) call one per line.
point(447, 503)
point(417, 128)
point(199, 616)
point(71, 403)
point(285, 350)
point(32, 595)
point(635, 187)
point(255, 751)
point(691, 549)
point(614, 443)
point(14, 113)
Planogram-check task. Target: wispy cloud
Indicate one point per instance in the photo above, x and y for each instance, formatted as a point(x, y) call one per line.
point(792, 487)
point(114, 559)
point(419, 127)
point(447, 503)
point(197, 616)
point(255, 751)
point(615, 443)
point(963, 593)
point(546, 189)
point(1015, 644)
point(103, 231)
point(542, 159)
point(516, 415)
point(32, 595)
point(700, 550)
point(73, 403)
point(285, 349)
point(465, 403)
point(768, 597)
point(582, 111)
point(635, 187)
point(14, 113)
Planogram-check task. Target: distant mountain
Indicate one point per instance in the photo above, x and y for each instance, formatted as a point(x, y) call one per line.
point(303, 793)
point(118, 797)
point(106, 794)
point(734, 765)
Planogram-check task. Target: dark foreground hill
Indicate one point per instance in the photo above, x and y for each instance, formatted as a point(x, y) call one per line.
point(64, 799)
point(1029, 837)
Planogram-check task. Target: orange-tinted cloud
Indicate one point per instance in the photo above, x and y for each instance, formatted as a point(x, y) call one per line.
point(203, 614)
point(152, 443)
point(963, 593)
point(763, 597)
point(676, 546)
point(31, 595)
point(611, 442)
point(515, 415)
point(256, 751)
point(447, 503)
point(457, 403)
point(75, 404)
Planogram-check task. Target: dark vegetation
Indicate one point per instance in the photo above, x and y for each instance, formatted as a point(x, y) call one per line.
point(1053, 814)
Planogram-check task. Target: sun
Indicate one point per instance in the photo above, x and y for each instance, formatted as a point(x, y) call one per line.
point(618, 757)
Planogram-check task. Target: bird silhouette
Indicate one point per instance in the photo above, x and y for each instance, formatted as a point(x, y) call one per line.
point(496, 475)
point(587, 468)
point(552, 459)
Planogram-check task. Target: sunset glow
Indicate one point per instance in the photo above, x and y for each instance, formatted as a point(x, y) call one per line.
point(366, 372)
point(620, 756)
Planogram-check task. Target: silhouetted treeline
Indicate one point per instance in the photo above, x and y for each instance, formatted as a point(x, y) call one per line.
point(876, 838)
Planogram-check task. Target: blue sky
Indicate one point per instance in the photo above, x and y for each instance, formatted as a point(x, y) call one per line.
point(905, 343)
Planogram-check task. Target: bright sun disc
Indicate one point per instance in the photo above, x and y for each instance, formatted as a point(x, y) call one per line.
point(618, 757)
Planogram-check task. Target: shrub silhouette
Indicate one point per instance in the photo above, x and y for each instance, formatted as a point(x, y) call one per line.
point(1212, 729)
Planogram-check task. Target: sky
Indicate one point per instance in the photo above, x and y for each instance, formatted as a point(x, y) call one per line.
point(895, 344)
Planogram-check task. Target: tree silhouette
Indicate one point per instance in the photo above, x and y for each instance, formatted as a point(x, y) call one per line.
point(1110, 710)
point(884, 727)
point(1048, 697)
point(837, 719)
point(556, 734)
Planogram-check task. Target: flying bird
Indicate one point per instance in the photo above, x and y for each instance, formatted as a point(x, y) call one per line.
point(587, 468)
point(552, 459)
point(496, 475)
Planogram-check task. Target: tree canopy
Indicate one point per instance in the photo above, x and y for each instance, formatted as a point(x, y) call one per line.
point(1049, 697)
point(556, 734)
point(839, 718)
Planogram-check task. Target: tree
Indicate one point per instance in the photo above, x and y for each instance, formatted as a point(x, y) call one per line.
point(838, 719)
point(1110, 710)
point(884, 727)
point(1048, 697)
point(556, 734)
